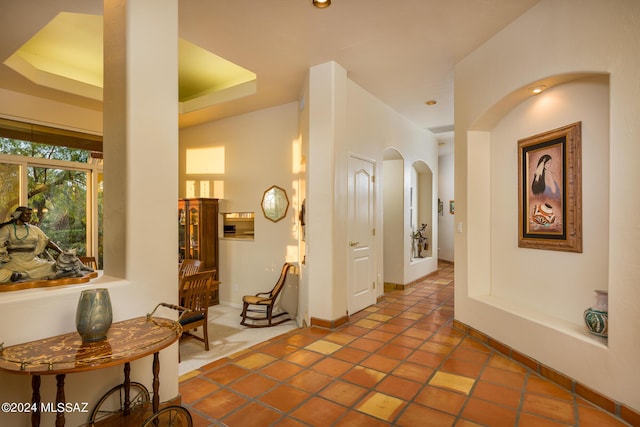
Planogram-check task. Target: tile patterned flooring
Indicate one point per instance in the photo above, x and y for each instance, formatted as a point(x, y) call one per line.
point(399, 362)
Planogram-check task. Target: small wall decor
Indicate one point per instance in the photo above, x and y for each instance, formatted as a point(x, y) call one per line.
point(420, 242)
point(440, 207)
point(302, 217)
point(275, 203)
point(452, 207)
point(597, 317)
point(550, 190)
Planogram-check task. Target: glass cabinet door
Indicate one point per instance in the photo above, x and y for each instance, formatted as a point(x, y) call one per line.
point(194, 243)
point(198, 234)
point(182, 236)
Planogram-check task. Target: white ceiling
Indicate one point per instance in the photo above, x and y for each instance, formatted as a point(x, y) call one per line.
point(401, 51)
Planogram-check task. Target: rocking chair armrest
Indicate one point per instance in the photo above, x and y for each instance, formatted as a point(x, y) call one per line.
point(263, 293)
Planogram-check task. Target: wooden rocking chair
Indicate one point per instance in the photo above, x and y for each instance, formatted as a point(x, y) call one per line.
point(263, 303)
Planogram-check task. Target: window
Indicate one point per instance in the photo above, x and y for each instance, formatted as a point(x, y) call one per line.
point(63, 186)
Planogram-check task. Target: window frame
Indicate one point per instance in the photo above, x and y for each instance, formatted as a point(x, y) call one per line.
point(93, 170)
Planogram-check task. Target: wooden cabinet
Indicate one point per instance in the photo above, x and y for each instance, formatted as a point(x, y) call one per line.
point(198, 233)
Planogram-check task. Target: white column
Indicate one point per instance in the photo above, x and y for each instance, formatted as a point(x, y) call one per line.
point(325, 258)
point(141, 159)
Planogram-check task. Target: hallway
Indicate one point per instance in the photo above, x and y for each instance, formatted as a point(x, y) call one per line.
point(399, 362)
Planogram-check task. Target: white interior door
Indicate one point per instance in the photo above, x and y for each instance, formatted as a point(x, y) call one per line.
point(360, 235)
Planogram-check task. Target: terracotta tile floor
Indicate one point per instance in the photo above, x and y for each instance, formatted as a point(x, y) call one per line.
point(399, 362)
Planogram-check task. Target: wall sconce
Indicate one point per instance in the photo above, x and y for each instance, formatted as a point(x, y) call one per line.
point(321, 4)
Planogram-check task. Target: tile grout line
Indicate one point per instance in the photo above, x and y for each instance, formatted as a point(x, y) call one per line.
point(433, 333)
point(413, 301)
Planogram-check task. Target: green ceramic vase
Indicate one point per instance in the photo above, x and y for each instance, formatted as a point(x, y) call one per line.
point(93, 315)
point(597, 317)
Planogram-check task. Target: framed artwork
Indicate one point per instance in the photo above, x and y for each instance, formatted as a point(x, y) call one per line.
point(452, 207)
point(440, 207)
point(550, 190)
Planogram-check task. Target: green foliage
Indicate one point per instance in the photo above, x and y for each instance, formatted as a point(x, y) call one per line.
point(42, 151)
point(10, 194)
point(57, 196)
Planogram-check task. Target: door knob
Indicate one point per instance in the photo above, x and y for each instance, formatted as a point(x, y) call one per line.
point(354, 244)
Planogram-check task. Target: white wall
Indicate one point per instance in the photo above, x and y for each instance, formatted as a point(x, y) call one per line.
point(558, 284)
point(326, 258)
point(281, 135)
point(47, 312)
point(556, 41)
point(262, 149)
point(342, 119)
point(273, 134)
point(144, 207)
point(371, 128)
point(51, 311)
point(374, 127)
point(445, 194)
point(393, 219)
point(18, 106)
point(259, 152)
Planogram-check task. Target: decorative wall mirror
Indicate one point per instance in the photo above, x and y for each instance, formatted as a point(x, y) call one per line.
point(275, 203)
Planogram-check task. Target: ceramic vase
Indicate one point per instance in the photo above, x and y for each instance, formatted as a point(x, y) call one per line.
point(93, 315)
point(597, 317)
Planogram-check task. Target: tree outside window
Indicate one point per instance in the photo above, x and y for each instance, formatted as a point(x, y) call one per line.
point(57, 194)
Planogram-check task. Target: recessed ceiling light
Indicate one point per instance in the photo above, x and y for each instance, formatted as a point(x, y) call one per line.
point(431, 102)
point(321, 4)
point(536, 90)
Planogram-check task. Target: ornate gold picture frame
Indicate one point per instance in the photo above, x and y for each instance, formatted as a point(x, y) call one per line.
point(550, 190)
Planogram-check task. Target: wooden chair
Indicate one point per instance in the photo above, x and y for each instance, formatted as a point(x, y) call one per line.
point(89, 261)
point(188, 267)
point(264, 302)
point(195, 290)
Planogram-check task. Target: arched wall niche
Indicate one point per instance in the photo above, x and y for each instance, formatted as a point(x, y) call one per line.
point(551, 286)
point(421, 211)
point(488, 120)
point(393, 215)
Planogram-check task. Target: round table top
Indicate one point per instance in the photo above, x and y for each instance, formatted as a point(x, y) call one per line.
point(126, 341)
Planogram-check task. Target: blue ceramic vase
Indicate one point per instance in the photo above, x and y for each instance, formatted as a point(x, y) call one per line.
point(597, 317)
point(93, 315)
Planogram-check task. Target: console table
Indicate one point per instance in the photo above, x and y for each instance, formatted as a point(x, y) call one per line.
point(65, 354)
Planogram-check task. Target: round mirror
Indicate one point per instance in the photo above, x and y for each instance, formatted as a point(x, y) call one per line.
point(275, 203)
